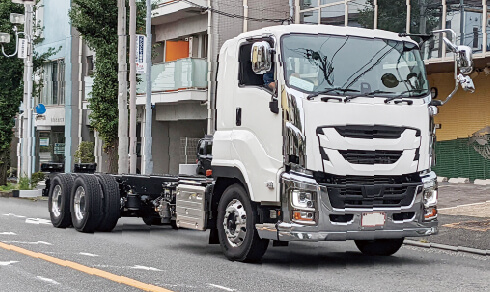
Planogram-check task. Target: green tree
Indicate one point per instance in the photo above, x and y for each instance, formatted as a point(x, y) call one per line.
point(96, 20)
point(11, 85)
point(11, 81)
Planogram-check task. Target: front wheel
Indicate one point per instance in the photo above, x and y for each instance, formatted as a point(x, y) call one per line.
point(237, 217)
point(379, 247)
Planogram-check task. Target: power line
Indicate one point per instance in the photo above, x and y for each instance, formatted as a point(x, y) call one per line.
point(231, 15)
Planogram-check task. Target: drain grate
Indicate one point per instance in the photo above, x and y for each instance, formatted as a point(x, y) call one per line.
point(471, 225)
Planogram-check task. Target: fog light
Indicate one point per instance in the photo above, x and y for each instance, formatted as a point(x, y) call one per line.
point(304, 217)
point(430, 213)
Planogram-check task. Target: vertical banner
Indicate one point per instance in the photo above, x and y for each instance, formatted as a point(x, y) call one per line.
point(22, 49)
point(140, 54)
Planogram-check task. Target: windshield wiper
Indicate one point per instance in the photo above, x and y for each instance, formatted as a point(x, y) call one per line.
point(367, 94)
point(406, 91)
point(309, 97)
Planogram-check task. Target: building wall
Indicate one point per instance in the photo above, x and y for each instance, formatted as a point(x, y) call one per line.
point(458, 155)
point(166, 147)
point(271, 9)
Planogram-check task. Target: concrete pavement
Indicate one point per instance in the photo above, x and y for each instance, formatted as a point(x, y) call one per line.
point(464, 217)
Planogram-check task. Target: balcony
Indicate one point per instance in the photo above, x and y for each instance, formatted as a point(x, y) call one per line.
point(184, 79)
point(173, 10)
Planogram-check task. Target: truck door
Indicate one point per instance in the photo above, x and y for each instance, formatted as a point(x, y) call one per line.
point(257, 133)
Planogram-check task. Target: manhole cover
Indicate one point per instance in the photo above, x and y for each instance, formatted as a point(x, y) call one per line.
point(471, 225)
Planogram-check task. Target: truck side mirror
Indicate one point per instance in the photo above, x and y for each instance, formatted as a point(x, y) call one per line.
point(261, 57)
point(465, 59)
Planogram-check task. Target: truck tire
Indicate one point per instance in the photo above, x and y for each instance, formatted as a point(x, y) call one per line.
point(237, 216)
point(86, 203)
point(59, 200)
point(111, 202)
point(379, 247)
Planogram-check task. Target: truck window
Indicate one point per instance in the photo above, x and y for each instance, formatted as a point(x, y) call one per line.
point(246, 76)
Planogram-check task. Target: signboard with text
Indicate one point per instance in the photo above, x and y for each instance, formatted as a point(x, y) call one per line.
point(22, 49)
point(140, 54)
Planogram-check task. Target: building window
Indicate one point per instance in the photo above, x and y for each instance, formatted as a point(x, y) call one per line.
point(90, 65)
point(475, 37)
point(53, 83)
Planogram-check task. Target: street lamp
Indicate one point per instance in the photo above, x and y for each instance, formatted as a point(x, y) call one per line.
point(25, 53)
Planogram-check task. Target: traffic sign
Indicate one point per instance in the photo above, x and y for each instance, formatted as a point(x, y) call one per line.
point(40, 109)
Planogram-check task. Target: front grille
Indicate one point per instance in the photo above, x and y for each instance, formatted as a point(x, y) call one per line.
point(370, 132)
point(369, 191)
point(371, 157)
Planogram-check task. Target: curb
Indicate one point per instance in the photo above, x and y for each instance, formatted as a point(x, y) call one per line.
point(447, 247)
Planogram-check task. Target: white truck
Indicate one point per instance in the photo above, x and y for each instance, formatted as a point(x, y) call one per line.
point(338, 147)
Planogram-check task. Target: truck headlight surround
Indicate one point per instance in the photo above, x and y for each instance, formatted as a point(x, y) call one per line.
point(430, 194)
point(430, 197)
point(303, 200)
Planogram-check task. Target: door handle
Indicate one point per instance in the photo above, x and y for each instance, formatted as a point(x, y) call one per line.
point(238, 117)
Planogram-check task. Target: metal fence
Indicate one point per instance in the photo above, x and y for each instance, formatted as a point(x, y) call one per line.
point(188, 148)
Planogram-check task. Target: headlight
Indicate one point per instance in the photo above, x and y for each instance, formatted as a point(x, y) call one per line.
point(430, 197)
point(302, 200)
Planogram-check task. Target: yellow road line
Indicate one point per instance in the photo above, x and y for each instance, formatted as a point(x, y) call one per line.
point(85, 269)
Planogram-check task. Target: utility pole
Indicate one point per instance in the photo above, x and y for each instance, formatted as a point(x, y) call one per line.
point(123, 88)
point(132, 86)
point(28, 94)
point(147, 157)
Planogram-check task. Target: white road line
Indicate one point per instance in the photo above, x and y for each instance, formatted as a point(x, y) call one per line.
point(18, 216)
point(221, 287)
point(38, 221)
point(7, 233)
point(137, 267)
point(8, 263)
point(28, 242)
point(465, 205)
point(88, 254)
point(48, 280)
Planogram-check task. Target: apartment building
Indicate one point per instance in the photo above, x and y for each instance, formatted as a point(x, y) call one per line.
point(187, 38)
point(63, 84)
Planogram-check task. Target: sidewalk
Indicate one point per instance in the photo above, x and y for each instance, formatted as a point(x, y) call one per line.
point(464, 216)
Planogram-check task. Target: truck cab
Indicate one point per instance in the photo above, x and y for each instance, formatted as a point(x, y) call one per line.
point(340, 149)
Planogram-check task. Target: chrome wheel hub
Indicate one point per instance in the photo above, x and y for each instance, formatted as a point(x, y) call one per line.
point(79, 203)
point(57, 201)
point(235, 223)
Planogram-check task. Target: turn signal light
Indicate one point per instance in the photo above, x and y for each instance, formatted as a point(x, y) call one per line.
point(209, 172)
point(303, 216)
point(430, 213)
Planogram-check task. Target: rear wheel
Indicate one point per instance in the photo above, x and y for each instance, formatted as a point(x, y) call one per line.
point(111, 204)
point(86, 203)
point(238, 237)
point(59, 200)
point(379, 247)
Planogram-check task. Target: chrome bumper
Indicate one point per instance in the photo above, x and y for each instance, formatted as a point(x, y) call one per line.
point(326, 230)
point(295, 232)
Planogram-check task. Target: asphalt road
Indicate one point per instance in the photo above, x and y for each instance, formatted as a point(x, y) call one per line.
point(181, 260)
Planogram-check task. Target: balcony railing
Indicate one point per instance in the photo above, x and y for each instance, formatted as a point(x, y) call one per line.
point(189, 73)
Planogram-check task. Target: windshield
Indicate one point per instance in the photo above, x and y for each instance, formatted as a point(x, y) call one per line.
point(316, 63)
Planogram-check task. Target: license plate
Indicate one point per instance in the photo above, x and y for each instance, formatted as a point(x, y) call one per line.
point(373, 219)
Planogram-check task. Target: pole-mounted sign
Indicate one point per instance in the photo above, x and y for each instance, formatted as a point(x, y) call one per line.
point(140, 54)
point(22, 49)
